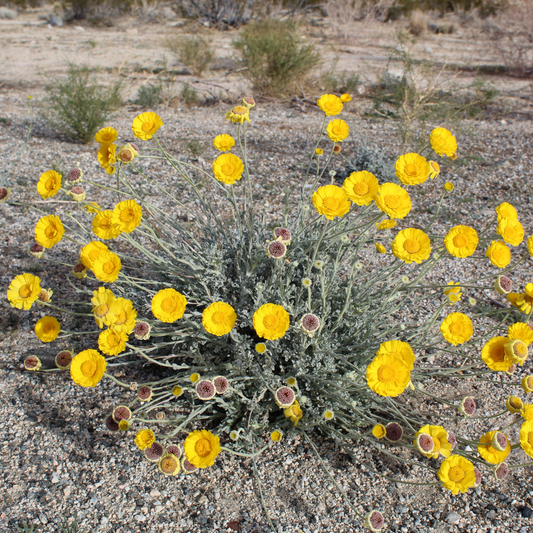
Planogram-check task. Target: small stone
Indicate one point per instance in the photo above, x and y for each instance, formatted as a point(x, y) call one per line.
point(203, 499)
point(526, 511)
point(55, 478)
point(67, 491)
point(140, 517)
point(158, 508)
point(453, 518)
point(43, 519)
point(216, 495)
point(154, 493)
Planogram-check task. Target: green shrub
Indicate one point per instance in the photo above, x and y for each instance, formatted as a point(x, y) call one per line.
point(342, 83)
point(78, 105)
point(194, 52)
point(275, 57)
point(149, 94)
point(189, 95)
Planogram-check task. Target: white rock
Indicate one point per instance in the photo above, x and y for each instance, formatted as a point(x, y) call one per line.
point(453, 518)
point(154, 493)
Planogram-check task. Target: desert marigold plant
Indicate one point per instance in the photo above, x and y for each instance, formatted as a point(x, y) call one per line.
point(330, 317)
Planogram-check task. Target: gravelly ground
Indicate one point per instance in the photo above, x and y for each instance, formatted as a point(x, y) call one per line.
point(56, 458)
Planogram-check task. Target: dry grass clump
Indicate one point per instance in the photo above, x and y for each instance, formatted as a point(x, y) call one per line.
point(418, 22)
point(194, 52)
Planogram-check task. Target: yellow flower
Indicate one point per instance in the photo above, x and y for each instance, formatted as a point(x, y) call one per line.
point(521, 332)
point(411, 245)
point(499, 254)
point(106, 267)
point(461, 241)
point(168, 305)
point(449, 187)
point(112, 342)
point(331, 201)
point(271, 322)
point(276, 435)
point(224, 142)
point(238, 114)
point(294, 412)
point(387, 375)
point(201, 448)
point(219, 318)
point(102, 300)
point(524, 300)
point(47, 329)
point(319, 151)
point(412, 169)
point(87, 368)
point(527, 412)
point(194, 377)
point(493, 353)
point(23, 291)
point(330, 104)
point(107, 157)
point(103, 226)
point(506, 210)
point(530, 245)
point(92, 207)
point(379, 431)
point(361, 187)
point(457, 474)
point(228, 168)
point(527, 384)
point(346, 98)
point(106, 135)
point(386, 224)
point(145, 125)
point(49, 184)
point(337, 130)
point(434, 171)
point(121, 315)
point(260, 347)
point(380, 248)
point(443, 142)
point(127, 215)
point(393, 200)
point(511, 231)
point(49, 231)
point(526, 437)
point(144, 439)
point(489, 453)
point(401, 350)
point(90, 252)
point(441, 445)
point(457, 328)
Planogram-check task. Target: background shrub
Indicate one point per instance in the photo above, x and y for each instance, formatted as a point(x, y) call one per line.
point(275, 56)
point(150, 94)
point(194, 52)
point(78, 105)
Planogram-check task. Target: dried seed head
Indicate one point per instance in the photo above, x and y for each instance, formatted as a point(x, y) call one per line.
point(110, 423)
point(188, 468)
point(276, 250)
point(393, 432)
point(468, 406)
point(127, 153)
point(451, 439)
point(154, 452)
point(74, 175)
point(501, 471)
point(79, 271)
point(32, 362)
point(77, 193)
point(45, 295)
point(477, 473)
point(527, 384)
point(374, 521)
point(337, 149)
point(499, 441)
point(205, 389)
point(64, 358)
point(174, 449)
point(160, 415)
point(121, 412)
point(248, 102)
point(503, 285)
point(145, 393)
point(424, 443)
point(4, 193)
point(169, 465)
point(37, 250)
point(221, 384)
point(285, 397)
point(141, 331)
point(310, 323)
point(283, 234)
point(133, 386)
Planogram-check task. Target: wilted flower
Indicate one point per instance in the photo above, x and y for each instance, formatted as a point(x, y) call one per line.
point(374, 521)
point(64, 358)
point(221, 384)
point(514, 404)
point(141, 331)
point(276, 250)
point(32, 362)
point(144, 393)
point(205, 389)
point(501, 471)
point(284, 397)
point(468, 406)
point(154, 452)
point(310, 324)
point(393, 432)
